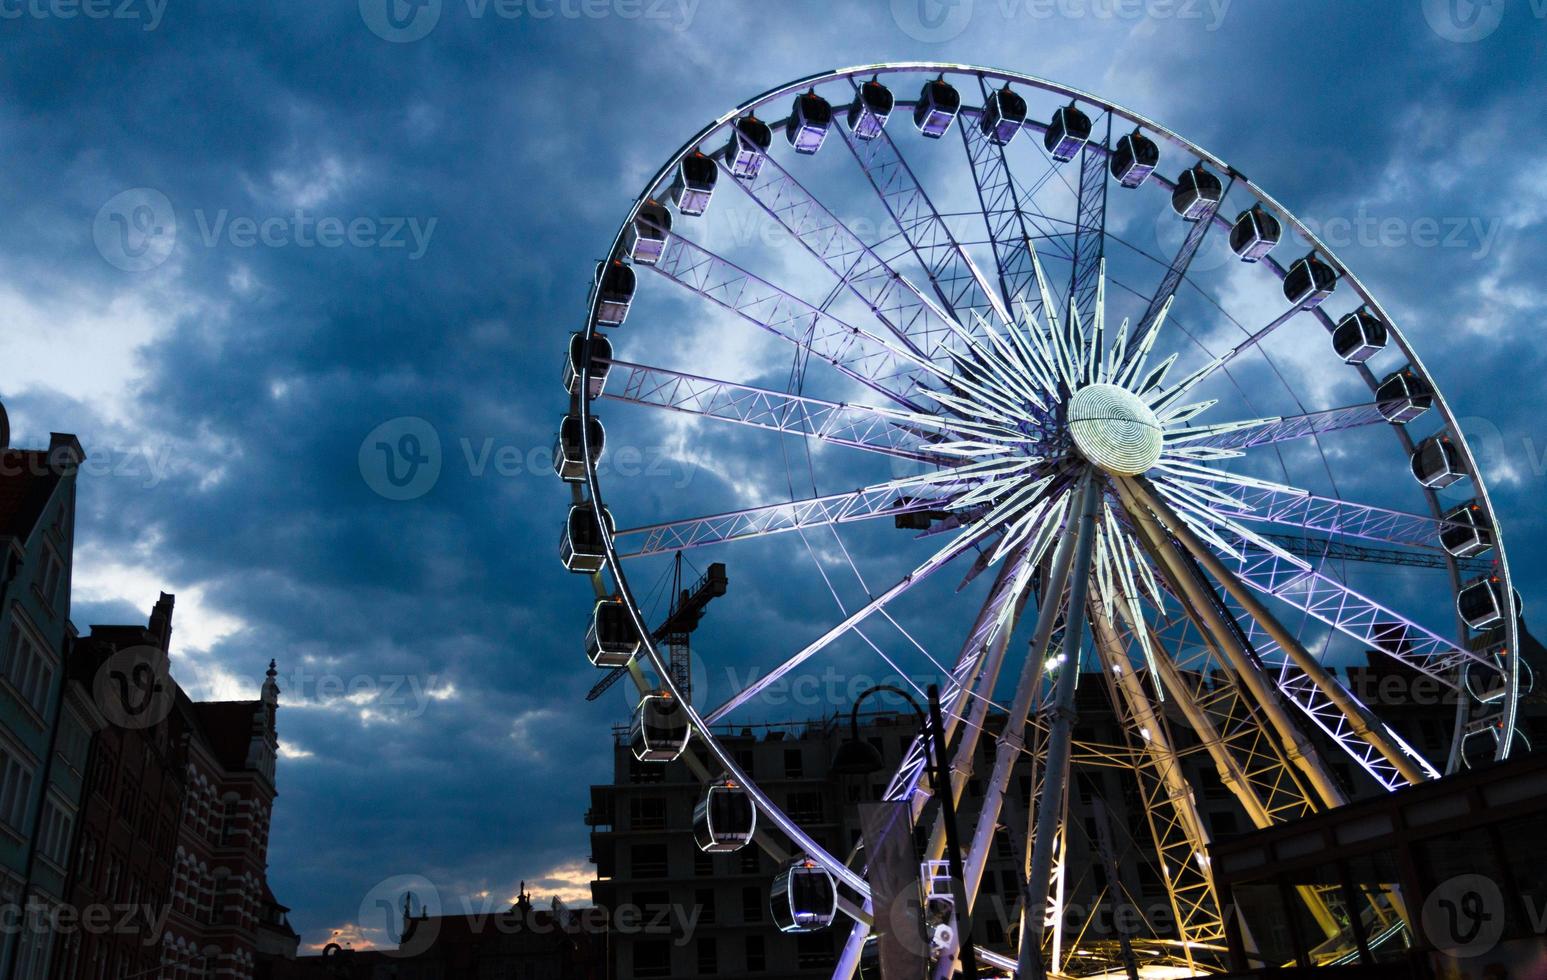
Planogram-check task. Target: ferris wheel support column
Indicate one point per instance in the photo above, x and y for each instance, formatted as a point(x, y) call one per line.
point(1366, 727)
point(1013, 738)
point(1231, 772)
point(1206, 607)
point(1061, 731)
point(967, 746)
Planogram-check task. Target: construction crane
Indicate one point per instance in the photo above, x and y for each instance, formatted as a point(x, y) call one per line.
point(1345, 550)
point(687, 608)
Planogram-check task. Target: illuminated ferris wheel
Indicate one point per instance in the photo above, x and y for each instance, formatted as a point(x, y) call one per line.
point(1017, 387)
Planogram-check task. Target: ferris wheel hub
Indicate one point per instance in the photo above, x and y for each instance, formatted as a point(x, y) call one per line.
point(1114, 429)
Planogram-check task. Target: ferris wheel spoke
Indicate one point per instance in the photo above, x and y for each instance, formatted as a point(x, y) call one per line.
point(1176, 270)
point(1005, 215)
point(1248, 433)
point(862, 355)
point(1090, 227)
point(957, 280)
point(1273, 573)
point(901, 434)
point(915, 320)
point(944, 556)
point(1300, 691)
point(1279, 504)
point(1252, 340)
point(866, 503)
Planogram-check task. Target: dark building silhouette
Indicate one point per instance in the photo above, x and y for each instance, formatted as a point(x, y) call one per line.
point(523, 942)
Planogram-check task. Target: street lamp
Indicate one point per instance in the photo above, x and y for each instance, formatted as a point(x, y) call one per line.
point(857, 757)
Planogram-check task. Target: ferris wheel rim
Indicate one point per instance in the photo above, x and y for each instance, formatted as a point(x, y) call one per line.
point(703, 729)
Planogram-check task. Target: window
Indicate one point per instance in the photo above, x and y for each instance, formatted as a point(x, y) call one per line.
point(704, 899)
point(645, 772)
point(35, 944)
point(708, 957)
point(115, 871)
point(54, 841)
point(652, 958)
point(794, 768)
point(752, 904)
point(1010, 884)
point(703, 864)
point(49, 578)
point(653, 903)
point(87, 860)
point(126, 803)
point(757, 959)
point(15, 788)
point(814, 950)
point(648, 860)
point(1002, 844)
point(751, 862)
point(805, 807)
point(744, 760)
point(28, 669)
point(647, 813)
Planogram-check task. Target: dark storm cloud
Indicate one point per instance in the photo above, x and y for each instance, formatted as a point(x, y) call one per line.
point(512, 144)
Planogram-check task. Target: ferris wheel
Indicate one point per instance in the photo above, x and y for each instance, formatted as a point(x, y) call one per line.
point(1001, 381)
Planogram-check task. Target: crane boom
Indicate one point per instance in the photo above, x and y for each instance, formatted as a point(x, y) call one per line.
point(681, 620)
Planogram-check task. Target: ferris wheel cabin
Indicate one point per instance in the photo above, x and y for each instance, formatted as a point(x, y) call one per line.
point(615, 284)
point(580, 548)
point(1358, 337)
point(938, 104)
point(1134, 159)
point(1467, 532)
point(748, 146)
point(648, 233)
point(1067, 134)
point(569, 460)
point(1481, 603)
point(725, 819)
point(1197, 193)
point(1254, 234)
point(1003, 117)
point(1309, 282)
point(694, 185)
point(810, 119)
point(601, 354)
point(660, 729)
point(1436, 463)
point(1403, 396)
point(612, 640)
point(803, 897)
point(872, 107)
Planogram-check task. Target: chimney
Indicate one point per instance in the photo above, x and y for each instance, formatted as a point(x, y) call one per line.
point(64, 451)
point(161, 621)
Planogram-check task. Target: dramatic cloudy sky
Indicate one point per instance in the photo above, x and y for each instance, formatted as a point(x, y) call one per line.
point(224, 370)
